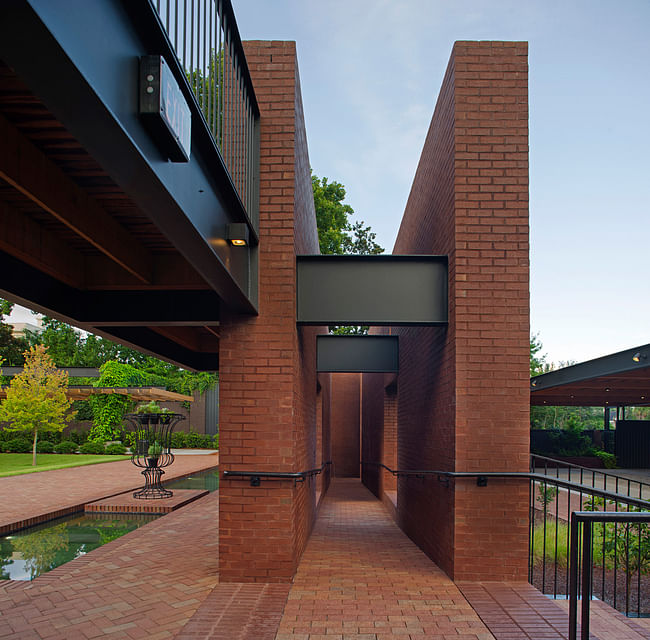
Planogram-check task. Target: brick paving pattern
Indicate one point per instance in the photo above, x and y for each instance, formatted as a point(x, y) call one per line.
point(126, 503)
point(361, 577)
point(32, 498)
point(147, 584)
point(238, 612)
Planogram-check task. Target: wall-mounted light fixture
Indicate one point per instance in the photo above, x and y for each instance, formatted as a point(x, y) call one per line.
point(638, 356)
point(533, 383)
point(237, 234)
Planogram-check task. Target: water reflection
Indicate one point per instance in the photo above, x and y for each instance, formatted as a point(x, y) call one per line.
point(31, 552)
point(203, 480)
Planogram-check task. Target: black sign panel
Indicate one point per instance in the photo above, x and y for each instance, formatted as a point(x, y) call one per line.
point(164, 109)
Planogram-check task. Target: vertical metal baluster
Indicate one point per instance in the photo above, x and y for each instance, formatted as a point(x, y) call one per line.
point(557, 535)
point(603, 551)
point(192, 43)
point(205, 101)
point(210, 72)
point(615, 558)
point(176, 37)
point(544, 541)
point(572, 579)
point(220, 77)
point(569, 533)
point(627, 565)
point(586, 578)
point(638, 575)
point(531, 529)
point(184, 58)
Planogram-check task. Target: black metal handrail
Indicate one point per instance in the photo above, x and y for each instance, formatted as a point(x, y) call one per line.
point(482, 477)
point(256, 476)
point(208, 46)
point(587, 520)
point(585, 471)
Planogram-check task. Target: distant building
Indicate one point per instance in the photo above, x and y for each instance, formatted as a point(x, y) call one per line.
point(19, 328)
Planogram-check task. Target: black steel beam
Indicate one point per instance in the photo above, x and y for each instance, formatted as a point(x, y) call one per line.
point(153, 343)
point(82, 60)
point(364, 354)
point(610, 365)
point(372, 290)
point(28, 286)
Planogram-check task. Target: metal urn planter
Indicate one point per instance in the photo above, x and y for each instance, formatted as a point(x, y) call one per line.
point(152, 450)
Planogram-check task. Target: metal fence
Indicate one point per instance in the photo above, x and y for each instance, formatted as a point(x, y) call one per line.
point(595, 478)
point(618, 560)
point(631, 541)
point(206, 39)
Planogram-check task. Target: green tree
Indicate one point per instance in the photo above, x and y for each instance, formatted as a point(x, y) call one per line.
point(36, 400)
point(39, 549)
point(109, 409)
point(335, 233)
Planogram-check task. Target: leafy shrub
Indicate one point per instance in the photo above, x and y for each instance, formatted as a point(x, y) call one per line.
point(194, 440)
point(65, 446)
point(128, 438)
point(78, 436)
point(17, 445)
point(5, 435)
point(179, 440)
point(49, 436)
point(115, 449)
point(44, 446)
point(609, 459)
point(93, 447)
point(155, 449)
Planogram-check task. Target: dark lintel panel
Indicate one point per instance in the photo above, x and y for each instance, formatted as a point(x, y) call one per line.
point(351, 354)
point(372, 290)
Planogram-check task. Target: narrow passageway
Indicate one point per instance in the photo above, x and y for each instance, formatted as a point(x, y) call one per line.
point(361, 577)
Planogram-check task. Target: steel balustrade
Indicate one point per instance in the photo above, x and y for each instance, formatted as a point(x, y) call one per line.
point(205, 37)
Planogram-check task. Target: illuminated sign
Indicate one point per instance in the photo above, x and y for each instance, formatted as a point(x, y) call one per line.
point(164, 110)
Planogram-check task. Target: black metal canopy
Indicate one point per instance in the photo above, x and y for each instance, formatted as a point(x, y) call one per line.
point(97, 227)
point(618, 379)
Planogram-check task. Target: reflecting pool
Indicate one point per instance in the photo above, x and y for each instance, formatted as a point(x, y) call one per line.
point(31, 552)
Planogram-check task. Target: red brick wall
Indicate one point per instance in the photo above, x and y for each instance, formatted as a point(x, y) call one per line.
point(372, 431)
point(345, 424)
point(267, 367)
point(463, 391)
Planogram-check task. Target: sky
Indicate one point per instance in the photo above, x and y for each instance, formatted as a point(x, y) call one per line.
point(370, 75)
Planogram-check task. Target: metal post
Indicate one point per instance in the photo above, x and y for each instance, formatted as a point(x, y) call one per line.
point(586, 578)
point(573, 579)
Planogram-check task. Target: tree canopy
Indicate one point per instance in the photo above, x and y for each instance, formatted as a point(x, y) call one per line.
point(336, 235)
point(36, 399)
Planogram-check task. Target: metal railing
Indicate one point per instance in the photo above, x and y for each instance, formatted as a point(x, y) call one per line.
point(592, 477)
point(553, 501)
point(603, 526)
point(257, 476)
point(621, 579)
point(205, 37)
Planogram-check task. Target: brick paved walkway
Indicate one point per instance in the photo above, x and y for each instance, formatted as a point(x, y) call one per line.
point(35, 497)
point(361, 577)
point(147, 584)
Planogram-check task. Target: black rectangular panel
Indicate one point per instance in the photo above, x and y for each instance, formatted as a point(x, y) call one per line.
point(364, 354)
point(372, 290)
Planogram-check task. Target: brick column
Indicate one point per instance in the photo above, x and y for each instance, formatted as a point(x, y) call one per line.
point(267, 367)
point(463, 391)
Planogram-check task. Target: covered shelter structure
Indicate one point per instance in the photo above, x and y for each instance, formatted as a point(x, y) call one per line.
point(614, 382)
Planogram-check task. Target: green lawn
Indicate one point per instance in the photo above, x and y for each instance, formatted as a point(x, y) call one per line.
point(14, 464)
